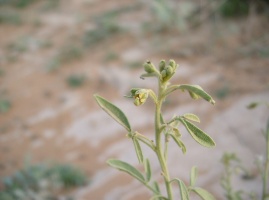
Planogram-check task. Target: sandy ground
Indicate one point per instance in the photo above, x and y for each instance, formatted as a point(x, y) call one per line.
point(49, 121)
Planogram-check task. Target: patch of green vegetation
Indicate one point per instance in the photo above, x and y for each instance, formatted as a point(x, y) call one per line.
point(52, 64)
point(135, 64)
point(76, 80)
point(222, 92)
point(110, 56)
point(50, 5)
point(119, 10)
point(234, 8)
point(67, 54)
point(70, 53)
point(41, 182)
point(166, 16)
point(16, 3)
point(2, 72)
point(163, 11)
point(23, 44)
point(104, 29)
point(19, 45)
point(264, 52)
point(5, 105)
point(68, 175)
point(106, 25)
point(10, 17)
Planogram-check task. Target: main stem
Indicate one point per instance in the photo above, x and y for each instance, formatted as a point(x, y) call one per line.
point(159, 149)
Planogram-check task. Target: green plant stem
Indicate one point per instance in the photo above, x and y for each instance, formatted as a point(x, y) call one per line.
point(266, 168)
point(159, 151)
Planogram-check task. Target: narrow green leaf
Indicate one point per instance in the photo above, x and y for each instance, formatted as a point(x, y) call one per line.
point(158, 197)
point(138, 150)
point(123, 166)
point(153, 74)
point(113, 111)
point(156, 186)
point(192, 117)
point(184, 194)
point(196, 91)
point(179, 143)
point(147, 169)
point(198, 135)
point(193, 175)
point(205, 195)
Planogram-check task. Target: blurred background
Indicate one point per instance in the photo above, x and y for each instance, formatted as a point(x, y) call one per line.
point(55, 54)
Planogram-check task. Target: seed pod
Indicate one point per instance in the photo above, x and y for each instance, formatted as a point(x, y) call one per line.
point(162, 65)
point(149, 67)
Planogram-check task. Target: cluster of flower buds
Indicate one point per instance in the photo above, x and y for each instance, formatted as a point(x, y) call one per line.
point(167, 71)
point(140, 96)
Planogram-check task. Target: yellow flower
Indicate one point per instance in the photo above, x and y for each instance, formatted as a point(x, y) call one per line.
point(140, 97)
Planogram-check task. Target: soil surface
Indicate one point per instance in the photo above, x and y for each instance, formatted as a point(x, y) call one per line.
point(103, 44)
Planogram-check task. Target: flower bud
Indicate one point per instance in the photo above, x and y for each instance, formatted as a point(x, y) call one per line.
point(169, 70)
point(141, 96)
point(162, 65)
point(163, 73)
point(173, 64)
point(149, 67)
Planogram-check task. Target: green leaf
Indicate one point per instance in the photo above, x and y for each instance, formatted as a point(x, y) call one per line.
point(153, 74)
point(184, 194)
point(123, 166)
point(179, 143)
point(138, 150)
point(156, 187)
point(147, 169)
point(158, 197)
point(205, 195)
point(196, 92)
point(192, 117)
point(113, 111)
point(198, 135)
point(193, 175)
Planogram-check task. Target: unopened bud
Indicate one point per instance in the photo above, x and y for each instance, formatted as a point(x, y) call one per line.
point(173, 64)
point(169, 70)
point(149, 67)
point(162, 65)
point(163, 73)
